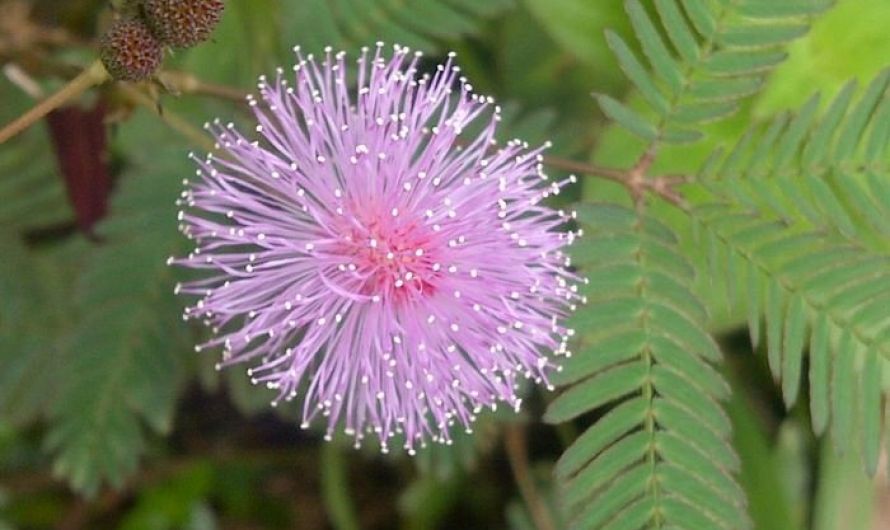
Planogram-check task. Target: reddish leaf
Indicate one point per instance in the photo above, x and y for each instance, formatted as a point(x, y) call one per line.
point(80, 140)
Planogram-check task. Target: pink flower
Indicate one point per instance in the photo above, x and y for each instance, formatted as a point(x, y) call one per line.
point(366, 259)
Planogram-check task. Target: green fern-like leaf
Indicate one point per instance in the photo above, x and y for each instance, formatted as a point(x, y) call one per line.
point(820, 290)
point(32, 194)
point(422, 24)
point(659, 453)
point(830, 173)
point(33, 311)
point(801, 217)
point(704, 58)
point(123, 358)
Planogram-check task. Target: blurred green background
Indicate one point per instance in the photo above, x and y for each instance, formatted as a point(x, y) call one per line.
point(108, 419)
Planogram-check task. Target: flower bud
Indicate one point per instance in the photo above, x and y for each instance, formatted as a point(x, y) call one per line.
point(129, 50)
point(183, 23)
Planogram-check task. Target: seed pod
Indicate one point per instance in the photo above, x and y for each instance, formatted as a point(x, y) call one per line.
point(183, 23)
point(129, 50)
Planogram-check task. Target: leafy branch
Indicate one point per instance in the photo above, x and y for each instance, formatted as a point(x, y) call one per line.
point(718, 60)
point(645, 368)
point(798, 212)
point(124, 354)
point(93, 75)
point(787, 211)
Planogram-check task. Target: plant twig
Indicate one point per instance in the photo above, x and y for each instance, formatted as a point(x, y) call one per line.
point(635, 179)
point(176, 122)
point(19, 31)
point(93, 75)
point(334, 488)
point(186, 83)
point(21, 79)
point(573, 166)
point(515, 444)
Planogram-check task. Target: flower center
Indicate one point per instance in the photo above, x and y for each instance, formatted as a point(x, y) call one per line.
point(389, 254)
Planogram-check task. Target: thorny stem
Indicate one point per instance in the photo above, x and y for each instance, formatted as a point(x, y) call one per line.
point(515, 444)
point(93, 75)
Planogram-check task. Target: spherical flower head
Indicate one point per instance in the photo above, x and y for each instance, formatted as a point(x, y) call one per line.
point(365, 257)
point(129, 51)
point(183, 23)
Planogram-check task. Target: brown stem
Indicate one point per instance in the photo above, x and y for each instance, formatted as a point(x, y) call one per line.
point(20, 78)
point(515, 444)
point(186, 83)
point(82, 510)
point(93, 75)
point(572, 166)
point(176, 122)
point(635, 179)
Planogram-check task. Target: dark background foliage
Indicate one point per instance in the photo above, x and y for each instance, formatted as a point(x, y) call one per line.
point(108, 419)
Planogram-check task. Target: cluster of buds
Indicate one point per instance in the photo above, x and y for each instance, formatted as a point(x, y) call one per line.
point(132, 48)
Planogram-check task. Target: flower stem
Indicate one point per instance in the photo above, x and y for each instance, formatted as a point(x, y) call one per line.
point(93, 75)
point(515, 444)
point(635, 180)
point(334, 488)
point(187, 83)
point(174, 121)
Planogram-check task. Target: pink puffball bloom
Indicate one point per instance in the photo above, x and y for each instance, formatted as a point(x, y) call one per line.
point(366, 258)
